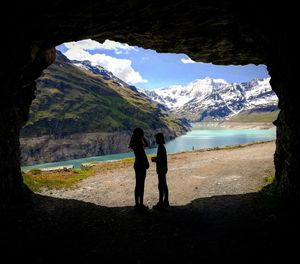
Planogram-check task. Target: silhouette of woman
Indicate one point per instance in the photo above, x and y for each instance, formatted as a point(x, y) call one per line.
point(141, 164)
point(161, 169)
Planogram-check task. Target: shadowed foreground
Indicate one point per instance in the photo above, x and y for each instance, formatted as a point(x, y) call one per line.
point(247, 227)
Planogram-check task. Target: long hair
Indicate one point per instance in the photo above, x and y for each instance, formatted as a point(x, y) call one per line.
point(136, 138)
point(160, 138)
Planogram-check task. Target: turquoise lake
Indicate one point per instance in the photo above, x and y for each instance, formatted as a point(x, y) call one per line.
point(200, 137)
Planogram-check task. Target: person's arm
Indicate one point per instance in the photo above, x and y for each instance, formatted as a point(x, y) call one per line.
point(153, 159)
point(161, 155)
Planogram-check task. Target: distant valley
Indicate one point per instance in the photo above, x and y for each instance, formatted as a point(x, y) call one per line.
point(82, 110)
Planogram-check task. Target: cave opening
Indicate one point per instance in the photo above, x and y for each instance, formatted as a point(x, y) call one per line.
point(84, 82)
point(222, 32)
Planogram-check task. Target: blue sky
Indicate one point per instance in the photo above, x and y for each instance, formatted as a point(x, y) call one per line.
point(148, 69)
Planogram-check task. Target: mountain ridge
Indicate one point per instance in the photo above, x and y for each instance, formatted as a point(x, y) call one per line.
point(215, 99)
point(73, 99)
point(82, 110)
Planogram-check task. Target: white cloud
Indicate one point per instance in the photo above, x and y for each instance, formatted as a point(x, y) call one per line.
point(187, 60)
point(119, 67)
point(89, 44)
point(77, 53)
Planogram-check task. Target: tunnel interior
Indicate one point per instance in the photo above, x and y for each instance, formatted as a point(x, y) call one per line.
point(220, 32)
point(211, 31)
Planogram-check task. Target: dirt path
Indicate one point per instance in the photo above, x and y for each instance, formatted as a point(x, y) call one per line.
point(191, 175)
point(97, 224)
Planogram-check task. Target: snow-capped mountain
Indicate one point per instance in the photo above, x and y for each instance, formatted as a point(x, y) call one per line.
point(215, 99)
point(97, 69)
point(107, 75)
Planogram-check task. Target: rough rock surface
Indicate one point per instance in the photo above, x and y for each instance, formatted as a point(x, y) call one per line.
point(220, 32)
point(81, 145)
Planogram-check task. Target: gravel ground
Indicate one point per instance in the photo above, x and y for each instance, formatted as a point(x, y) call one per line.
point(217, 216)
point(191, 175)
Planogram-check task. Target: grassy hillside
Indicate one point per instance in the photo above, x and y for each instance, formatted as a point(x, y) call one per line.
point(266, 117)
point(73, 100)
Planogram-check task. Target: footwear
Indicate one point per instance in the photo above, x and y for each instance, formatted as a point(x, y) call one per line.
point(158, 206)
point(143, 207)
point(166, 204)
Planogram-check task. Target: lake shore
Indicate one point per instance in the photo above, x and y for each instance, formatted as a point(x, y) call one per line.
point(246, 125)
point(235, 125)
point(191, 175)
point(217, 214)
point(202, 135)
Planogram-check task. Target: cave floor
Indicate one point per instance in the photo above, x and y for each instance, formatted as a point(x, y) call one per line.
point(246, 227)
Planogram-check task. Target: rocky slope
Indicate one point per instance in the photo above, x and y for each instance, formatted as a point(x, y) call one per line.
point(81, 111)
point(46, 148)
point(215, 99)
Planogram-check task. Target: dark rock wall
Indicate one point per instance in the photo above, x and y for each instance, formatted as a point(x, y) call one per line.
point(221, 32)
point(83, 145)
point(17, 92)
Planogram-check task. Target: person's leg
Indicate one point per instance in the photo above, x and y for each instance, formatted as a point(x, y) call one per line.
point(142, 185)
point(160, 205)
point(161, 188)
point(166, 192)
point(137, 187)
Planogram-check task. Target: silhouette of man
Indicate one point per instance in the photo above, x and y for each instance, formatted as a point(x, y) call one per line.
point(161, 169)
point(141, 164)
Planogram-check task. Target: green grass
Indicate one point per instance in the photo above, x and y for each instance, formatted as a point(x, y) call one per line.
point(37, 180)
point(265, 117)
point(35, 171)
point(270, 190)
point(269, 195)
point(172, 122)
point(72, 100)
point(270, 176)
point(55, 180)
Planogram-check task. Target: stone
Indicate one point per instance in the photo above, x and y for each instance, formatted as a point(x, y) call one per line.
point(219, 32)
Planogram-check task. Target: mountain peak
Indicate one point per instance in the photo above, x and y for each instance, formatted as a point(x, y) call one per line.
point(71, 100)
point(215, 98)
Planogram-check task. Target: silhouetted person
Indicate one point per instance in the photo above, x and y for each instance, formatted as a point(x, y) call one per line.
point(141, 164)
point(161, 169)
